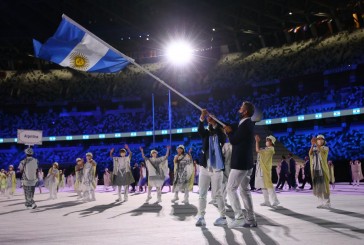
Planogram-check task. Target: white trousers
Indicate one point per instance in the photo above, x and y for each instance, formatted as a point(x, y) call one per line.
point(126, 191)
point(240, 178)
point(269, 193)
point(215, 177)
point(186, 194)
point(53, 190)
point(159, 192)
point(9, 192)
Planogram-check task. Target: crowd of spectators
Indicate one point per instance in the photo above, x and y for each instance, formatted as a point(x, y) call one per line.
point(306, 57)
point(184, 115)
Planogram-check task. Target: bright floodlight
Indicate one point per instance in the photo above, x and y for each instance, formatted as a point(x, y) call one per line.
point(179, 52)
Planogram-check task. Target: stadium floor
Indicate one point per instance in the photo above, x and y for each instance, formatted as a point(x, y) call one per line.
point(68, 221)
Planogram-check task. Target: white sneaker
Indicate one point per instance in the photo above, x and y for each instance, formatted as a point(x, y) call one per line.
point(148, 198)
point(220, 221)
point(185, 201)
point(236, 223)
point(175, 199)
point(118, 200)
point(267, 204)
point(34, 206)
point(241, 223)
point(159, 200)
point(326, 206)
point(275, 204)
point(201, 222)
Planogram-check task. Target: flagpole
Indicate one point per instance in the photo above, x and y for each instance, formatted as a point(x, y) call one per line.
point(170, 117)
point(153, 120)
point(136, 64)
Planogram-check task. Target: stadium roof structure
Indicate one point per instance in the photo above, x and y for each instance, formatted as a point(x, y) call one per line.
point(145, 24)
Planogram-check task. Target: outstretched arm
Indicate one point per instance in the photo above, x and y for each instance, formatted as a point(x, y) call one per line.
point(168, 149)
point(257, 140)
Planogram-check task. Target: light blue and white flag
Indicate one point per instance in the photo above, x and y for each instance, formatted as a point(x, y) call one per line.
point(75, 47)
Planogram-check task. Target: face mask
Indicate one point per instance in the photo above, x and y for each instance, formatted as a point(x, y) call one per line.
point(240, 116)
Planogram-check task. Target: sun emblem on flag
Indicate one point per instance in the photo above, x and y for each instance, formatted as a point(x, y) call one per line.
point(79, 61)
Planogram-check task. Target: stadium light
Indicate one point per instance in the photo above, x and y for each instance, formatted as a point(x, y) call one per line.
point(179, 52)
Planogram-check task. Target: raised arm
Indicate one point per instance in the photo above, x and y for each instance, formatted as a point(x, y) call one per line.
point(189, 152)
point(168, 149)
point(142, 151)
point(201, 129)
point(111, 152)
point(313, 142)
point(257, 140)
point(128, 149)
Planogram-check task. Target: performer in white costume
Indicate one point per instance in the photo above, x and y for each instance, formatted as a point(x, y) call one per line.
point(183, 174)
point(263, 173)
point(122, 175)
point(157, 172)
point(89, 178)
point(52, 181)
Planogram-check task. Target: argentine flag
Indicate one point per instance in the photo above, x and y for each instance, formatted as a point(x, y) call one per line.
point(73, 46)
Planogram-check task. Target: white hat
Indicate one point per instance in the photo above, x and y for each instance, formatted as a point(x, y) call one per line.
point(78, 159)
point(182, 147)
point(55, 163)
point(153, 151)
point(89, 154)
point(29, 151)
point(11, 166)
point(320, 136)
point(272, 138)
